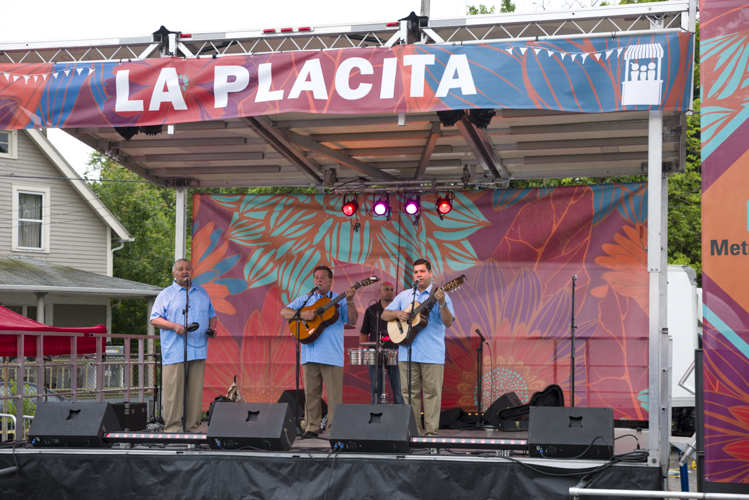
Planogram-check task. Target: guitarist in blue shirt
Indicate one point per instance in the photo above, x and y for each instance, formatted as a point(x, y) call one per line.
point(427, 348)
point(322, 359)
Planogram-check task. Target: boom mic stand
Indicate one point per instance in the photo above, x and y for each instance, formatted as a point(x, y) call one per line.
point(479, 373)
point(408, 337)
point(297, 316)
point(380, 367)
point(572, 346)
point(184, 366)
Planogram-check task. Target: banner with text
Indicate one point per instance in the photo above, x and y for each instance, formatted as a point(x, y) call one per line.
point(596, 75)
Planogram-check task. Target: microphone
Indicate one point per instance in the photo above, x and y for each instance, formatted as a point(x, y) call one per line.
point(482, 337)
point(192, 327)
point(416, 283)
point(210, 332)
point(313, 290)
point(574, 277)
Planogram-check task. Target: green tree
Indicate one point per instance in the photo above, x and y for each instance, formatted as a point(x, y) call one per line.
point(506, 6)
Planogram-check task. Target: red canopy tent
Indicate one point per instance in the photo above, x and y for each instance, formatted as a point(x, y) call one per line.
point(52, 345)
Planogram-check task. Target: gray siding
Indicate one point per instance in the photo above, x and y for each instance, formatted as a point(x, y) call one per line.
point(78, 236)
point(78, 315)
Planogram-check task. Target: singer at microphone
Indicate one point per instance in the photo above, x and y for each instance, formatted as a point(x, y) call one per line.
point(168, 314)
point(313, 290)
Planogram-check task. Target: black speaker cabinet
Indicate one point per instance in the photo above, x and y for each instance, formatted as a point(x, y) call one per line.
point(374, 428)
point(78, 424)
point(265, 426)
point(560, 432)
point(491, 415)
point(288, 396)
point(132, 416)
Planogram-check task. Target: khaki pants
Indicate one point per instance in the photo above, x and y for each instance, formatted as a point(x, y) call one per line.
point(173, 382)
point(315, 375)
point(426, 376)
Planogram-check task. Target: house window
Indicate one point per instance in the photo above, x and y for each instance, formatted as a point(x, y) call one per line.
point(30, 220)
point(31, 217)
point(8, 143)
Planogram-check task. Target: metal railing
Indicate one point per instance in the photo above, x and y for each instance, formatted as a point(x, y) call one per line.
point(30, 370)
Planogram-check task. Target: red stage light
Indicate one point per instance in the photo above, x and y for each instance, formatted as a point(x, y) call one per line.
point(350, 207)
point(444, 205)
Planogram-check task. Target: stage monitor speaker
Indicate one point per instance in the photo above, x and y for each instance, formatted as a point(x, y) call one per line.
point(560, 432)
point(507, 400)
point(265, 426)
point(373, 428)
point(77, 424)
point(288, 396)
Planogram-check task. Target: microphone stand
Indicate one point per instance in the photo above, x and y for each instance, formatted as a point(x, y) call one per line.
point(408, 338)
point(572, 347)
point(380, 368)
point(297, 316)
point(184, 371)
point(479, 374)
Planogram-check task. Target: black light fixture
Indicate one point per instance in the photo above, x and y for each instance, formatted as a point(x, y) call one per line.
point(350, 205)
point(381, 207)
point(444, 204)
point(413, 205)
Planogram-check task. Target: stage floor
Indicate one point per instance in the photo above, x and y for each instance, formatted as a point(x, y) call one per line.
point(310, 470)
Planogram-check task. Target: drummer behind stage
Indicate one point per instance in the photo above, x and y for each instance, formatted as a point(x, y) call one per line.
point(372, 325)
point(322, 360)
point(427, 348)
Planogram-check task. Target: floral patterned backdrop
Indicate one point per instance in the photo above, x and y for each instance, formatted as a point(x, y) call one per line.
point(518, 248)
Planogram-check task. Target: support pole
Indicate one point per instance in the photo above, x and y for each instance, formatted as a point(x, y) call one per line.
point(656, 244)
point(180, 226)
point(40, 306)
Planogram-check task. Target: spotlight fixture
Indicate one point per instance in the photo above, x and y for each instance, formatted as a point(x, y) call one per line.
point(413, 205)
point(444, 205)
point(382, 206)
point(350, 206)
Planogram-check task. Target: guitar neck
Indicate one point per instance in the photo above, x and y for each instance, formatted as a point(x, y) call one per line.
point(427, 303)
point(333, 301)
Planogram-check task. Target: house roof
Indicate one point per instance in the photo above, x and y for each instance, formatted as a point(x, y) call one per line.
point(80, 186)
point(27, 274)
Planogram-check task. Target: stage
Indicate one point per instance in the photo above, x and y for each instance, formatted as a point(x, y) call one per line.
point(311, 470)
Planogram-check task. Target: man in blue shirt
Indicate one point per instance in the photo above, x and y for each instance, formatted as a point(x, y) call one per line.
point(322, 360)
point(427, 348)
point(168, 314)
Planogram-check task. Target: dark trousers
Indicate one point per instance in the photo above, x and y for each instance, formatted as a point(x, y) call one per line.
point(395, 383)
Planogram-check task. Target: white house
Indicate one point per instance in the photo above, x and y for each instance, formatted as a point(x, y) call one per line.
point(56, 238)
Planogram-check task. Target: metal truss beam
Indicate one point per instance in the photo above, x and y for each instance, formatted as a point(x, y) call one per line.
point(426, 155)
point(262, 128)
point(307, 143)
point(481, 148)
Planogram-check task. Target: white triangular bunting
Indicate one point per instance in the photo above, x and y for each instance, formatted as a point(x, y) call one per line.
point(79, 70)
point(563, 54)
point(550, 52)
point(619, 51)
point(26, 78)
point(509, 51)
point(44, 77)
point(35, 77)
point(608, 53)
point(584, 56)
point(54, 75)
point(90, 70)
point(573, 56)
point(67, 72)
point(536, 50)
point(597, 56)
point(6, 76)
point(523, 49)
point(15, 77)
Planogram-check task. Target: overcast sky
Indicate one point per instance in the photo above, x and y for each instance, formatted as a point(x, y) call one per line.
point(51, 20)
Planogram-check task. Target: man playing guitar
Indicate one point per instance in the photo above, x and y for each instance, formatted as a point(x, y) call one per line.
point(428, 347)
point(322, 360)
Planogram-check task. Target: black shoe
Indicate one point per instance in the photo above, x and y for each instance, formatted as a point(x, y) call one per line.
point(309, 435)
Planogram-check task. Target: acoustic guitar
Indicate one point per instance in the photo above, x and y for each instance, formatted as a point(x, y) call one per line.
point(398, 330)
point(325, 314)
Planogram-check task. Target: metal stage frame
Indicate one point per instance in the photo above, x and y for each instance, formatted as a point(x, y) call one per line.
point(398, 152)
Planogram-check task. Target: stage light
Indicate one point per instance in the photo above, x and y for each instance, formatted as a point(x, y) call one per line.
point(382, 206)
point(350, 206)
point(413, 205)
point(444, 205)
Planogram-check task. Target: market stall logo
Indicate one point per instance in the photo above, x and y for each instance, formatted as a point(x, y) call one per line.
point(642, 75)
